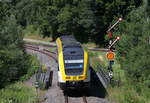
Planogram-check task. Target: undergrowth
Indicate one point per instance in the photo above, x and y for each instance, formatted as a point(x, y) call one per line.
point(33, 68)
point(123, 91)
point(33, 32)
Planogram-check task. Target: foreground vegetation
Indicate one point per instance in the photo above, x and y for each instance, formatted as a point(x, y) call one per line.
point(18, 93)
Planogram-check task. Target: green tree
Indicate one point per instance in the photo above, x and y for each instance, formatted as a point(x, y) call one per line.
point(69, 18)
point(29, 11)
point(108, 10)
point(13, 59)
point(85, 19)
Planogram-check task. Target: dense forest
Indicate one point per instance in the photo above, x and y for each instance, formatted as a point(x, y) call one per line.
point(89, 18)
point(88, 21)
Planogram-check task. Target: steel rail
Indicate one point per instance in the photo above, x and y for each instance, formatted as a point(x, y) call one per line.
point(66, 99)
point(84, 99)
point(46, 52)
point(46, 45)
point(38, 47)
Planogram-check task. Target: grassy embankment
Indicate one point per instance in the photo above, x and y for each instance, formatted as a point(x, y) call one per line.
point(18, 93)
point(122, 91)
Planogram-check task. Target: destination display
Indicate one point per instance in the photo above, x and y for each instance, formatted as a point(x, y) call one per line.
point(74, 61)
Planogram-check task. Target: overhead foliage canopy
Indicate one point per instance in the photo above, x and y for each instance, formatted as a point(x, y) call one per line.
point(85, 19)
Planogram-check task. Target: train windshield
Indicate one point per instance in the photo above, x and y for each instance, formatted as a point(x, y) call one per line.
point(73, 60)
point(74, 68)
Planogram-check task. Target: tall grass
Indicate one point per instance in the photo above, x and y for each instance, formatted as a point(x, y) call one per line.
point(127, 93)
point(17, 93)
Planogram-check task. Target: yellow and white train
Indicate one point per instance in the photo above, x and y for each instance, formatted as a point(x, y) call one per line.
point(73, 64)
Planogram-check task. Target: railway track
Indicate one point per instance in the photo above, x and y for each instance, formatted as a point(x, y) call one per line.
point(83, 98)
point(50, 54)
point(41, 50)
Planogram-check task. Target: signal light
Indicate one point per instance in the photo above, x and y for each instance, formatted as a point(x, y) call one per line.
point(110, 55)
point(120, 19)
point(80, 77)
point(118, 38)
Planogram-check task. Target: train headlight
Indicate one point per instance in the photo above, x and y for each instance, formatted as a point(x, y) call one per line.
point(80, 77)
point(67, 77)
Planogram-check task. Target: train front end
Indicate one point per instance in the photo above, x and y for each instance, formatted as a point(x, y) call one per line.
point(73, 64)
